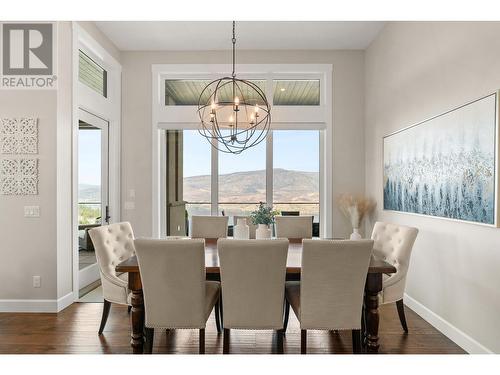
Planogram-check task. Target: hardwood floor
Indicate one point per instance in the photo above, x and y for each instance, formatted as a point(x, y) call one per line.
point(74, 330)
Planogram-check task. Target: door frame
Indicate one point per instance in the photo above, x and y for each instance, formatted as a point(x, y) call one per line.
point(107, 108)
point(90, 274)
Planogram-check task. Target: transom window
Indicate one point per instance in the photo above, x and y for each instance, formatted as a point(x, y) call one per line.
point(92, 74)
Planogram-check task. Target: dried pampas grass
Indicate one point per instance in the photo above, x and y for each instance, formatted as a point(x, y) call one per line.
point(355, 208)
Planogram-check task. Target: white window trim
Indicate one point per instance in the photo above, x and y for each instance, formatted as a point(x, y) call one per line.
point(283, 118)
point(108, 109)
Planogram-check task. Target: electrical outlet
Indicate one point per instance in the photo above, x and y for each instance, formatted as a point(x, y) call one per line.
point(131, 193)
point(37, 282)
point(31, 211)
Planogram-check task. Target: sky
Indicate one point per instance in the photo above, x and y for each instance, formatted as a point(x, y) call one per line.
point(89, 157)
point(290, 148)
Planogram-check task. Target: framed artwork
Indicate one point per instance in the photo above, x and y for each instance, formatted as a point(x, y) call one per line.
point(446, 166)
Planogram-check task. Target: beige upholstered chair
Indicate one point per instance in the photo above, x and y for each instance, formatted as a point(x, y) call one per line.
point(176, 294)
point(251, 226)
point(394, 243)
point(330, 293)
point(113, 244)
point(253, 285)
point(294, 226)
point(209, 226)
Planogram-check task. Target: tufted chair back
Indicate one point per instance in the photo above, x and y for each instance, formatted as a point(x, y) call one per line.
point(394, 243)
point(113, 244)
point(294, 226)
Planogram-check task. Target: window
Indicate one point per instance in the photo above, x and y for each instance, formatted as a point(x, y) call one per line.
point(92, 74)
point(242, 181)
point(296, 171)
point(296, 92)
point(300, 96)
point(184, 92)
point(196, 173)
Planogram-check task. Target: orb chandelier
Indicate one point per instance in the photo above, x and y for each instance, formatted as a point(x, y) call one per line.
point(234, 113)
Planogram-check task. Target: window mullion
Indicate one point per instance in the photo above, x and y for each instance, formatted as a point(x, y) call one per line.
point(269, 169)
point(214, 189)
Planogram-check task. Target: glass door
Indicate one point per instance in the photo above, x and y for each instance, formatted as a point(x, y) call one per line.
point(93, 208)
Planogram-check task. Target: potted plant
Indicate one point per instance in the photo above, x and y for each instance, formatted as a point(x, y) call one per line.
point(355, 209)
point(263, 217)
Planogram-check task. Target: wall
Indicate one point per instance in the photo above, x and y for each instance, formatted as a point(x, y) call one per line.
point(415, 71)
point(348, 117)
point(42, 246)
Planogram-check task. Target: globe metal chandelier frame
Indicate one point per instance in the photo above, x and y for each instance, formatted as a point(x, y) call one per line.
point(234, 135)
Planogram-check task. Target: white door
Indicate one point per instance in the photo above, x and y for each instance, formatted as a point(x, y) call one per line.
point(93, 195)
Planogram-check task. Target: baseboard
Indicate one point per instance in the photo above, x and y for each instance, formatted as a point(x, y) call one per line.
point(460, 338)
point(36, 305)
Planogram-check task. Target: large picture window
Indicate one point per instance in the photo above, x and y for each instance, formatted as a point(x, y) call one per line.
point(289, 170)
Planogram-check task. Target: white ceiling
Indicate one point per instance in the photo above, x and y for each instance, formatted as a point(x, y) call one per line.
point(216, 35)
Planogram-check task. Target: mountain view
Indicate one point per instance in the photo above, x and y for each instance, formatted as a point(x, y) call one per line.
point(289, 186)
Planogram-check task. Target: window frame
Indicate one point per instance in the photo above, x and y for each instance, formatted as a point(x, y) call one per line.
point(283, 118)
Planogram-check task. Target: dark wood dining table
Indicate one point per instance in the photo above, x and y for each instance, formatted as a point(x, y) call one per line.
point(373, 286)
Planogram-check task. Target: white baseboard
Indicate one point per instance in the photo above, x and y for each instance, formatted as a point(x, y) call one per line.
point(36, 305)
point(460, 338)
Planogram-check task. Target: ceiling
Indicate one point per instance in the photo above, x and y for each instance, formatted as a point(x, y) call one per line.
point(216, 35)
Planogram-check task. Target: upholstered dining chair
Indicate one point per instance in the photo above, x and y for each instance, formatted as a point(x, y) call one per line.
point(176, 294)
point(209, 226)
point(394, 243)
point(251, 225)
point(294, 226)
point(253, 285)
point(113, 244)
point(330, 293)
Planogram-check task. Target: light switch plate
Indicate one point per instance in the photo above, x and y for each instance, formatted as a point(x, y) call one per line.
point(31, 211)
point(37, 282)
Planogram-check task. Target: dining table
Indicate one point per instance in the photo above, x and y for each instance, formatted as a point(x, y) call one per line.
point(373, 286)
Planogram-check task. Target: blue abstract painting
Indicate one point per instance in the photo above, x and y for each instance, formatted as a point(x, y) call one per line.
point(445, 166)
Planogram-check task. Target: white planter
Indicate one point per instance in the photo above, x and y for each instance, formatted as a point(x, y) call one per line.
point(262, 232)
point(241, 231)
point(355, 234)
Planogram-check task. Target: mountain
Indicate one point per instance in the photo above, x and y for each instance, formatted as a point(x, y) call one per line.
point(289, 186)
point(89, 193)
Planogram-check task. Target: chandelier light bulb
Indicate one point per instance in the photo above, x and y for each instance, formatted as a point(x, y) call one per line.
point(236, 101)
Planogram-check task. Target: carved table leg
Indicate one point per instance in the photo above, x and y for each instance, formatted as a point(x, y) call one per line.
point(137, 316)
point(372, 288)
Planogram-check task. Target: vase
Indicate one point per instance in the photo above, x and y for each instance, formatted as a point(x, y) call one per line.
point(262, 232)
point(241, 230)
point(355, 234)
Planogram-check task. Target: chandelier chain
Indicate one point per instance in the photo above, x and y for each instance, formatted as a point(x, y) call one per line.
point(234, 48)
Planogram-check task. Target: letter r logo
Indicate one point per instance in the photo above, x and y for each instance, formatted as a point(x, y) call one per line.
point(27, 49)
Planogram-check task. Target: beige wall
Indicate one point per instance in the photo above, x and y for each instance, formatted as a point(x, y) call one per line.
point(348, 119)
point(28, 245)
point(414, 71)
point(42, 246)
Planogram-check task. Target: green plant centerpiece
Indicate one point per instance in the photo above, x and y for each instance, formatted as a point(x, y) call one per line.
point(263, 215)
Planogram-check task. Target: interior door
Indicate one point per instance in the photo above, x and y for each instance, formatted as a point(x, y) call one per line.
point(93, 196)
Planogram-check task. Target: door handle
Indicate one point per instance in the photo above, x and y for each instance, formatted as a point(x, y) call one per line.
point(107, 217)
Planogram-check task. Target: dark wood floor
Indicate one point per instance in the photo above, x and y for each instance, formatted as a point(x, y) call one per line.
point(74, 330)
